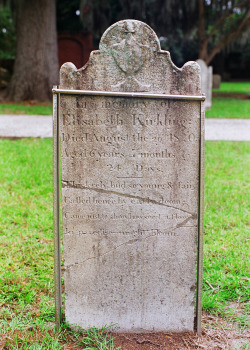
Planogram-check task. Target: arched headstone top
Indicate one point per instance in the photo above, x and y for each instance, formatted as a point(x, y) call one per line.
point(132, 33)
point(201, 63)
point(130, 59)
point(206, 81)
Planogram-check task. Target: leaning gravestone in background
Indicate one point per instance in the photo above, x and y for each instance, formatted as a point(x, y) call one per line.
point(208, 102)
point(206, 82)
point(131, 184)
point(216, 81)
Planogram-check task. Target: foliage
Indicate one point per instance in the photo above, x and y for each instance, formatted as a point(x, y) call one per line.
point(220, 23)
point(7, 34)
point(67, 16)
point(172, 21)
point(182, 48)
point(179, 23)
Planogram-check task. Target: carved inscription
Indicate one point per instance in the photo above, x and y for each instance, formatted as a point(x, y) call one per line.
point(123, 153)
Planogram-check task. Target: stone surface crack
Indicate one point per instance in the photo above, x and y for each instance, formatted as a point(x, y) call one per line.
point(127, 195)
point(131, 241)
point(99, 256)
point(174, 227)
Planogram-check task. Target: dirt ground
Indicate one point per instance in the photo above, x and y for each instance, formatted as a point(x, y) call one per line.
point(238, 96)
point(217, 334)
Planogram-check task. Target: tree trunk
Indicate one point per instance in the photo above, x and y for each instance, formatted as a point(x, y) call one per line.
point(230, 37)
point(204, 37)
point(201, 31)
point(36, 64)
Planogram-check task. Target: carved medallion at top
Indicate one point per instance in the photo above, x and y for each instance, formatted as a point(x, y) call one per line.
point(130, 52)
point(129, 55)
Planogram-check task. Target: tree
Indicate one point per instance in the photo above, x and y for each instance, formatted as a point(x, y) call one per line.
point(36, 63)
point(189, 28)
point(172, 20)
point(219, 23)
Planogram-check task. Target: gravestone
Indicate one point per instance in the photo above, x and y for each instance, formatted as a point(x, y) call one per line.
point(208, 102)
point(131, 131)
point(216, 81)
point(206, 82)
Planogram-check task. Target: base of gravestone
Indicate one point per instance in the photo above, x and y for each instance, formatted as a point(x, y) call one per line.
point(216, 333)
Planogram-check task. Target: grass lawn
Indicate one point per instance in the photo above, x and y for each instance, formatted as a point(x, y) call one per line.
point(23, 108)
point(234, 87)
point(227, 227)
point(227, 107)
point(26, 254)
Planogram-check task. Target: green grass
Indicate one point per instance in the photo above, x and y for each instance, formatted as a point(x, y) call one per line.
point(22, 108)
point(26, 253)
point(226, 107)
point(234, 87)
point(227, 227)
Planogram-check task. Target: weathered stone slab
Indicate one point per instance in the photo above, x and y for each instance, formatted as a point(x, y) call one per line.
point(130, 196)
point(208, 102)
point(216, 81)
point(206, 82)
